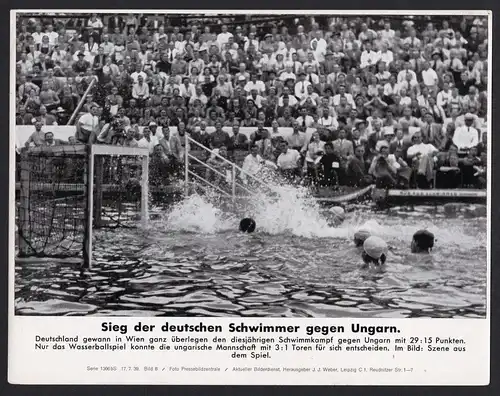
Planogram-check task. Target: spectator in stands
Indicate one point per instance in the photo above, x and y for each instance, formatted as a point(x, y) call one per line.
point(37, 138)
point(353, 80)
point(289, 163)
point(87, 126)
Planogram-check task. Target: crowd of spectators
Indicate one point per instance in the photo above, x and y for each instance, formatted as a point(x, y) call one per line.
point(396, 101)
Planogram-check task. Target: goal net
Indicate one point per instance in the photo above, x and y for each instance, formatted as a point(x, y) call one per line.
point(65, 194)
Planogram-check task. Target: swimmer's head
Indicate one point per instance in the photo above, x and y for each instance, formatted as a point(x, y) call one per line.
point(336, 215)
point(247, 225)
point(422, 242)
point(374, 250)
point(360, 237)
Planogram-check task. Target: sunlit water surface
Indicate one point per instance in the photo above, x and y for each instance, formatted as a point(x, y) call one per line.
point(192, 261)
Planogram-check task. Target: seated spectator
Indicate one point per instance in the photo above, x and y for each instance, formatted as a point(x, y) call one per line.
point(421, 156)
point(383, 171)
point(449, 174)
point(313, 150)
point(357, 170)
point(328, 167)
point(466, 137)
point(471, 168)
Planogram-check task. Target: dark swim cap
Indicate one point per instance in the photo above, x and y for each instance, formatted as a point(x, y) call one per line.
point(424, 239)
point(247, 225)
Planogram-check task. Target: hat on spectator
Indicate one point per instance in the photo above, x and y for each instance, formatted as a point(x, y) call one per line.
point(60, 110)
point(381, 144)
point(81, 54)
point(152, 123)
point(268, 35)
point(469, 116)
point(241, 78)
point(388, 131)
point(328, 53)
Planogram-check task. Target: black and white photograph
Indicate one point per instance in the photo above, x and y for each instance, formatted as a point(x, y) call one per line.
point(251, 164)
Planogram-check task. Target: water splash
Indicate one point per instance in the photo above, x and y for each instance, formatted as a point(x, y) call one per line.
point(198, 214)
point(291, 210)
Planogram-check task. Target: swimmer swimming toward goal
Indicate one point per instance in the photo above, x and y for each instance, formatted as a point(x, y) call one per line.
point(247, 225)
point(374, 251)
point(422, 242)
point(360, 237)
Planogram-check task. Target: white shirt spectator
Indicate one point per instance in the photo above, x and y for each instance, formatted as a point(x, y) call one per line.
point(135, 76)
point(390, 90)
point(387, 35)
point(258, 85)
point(144, 143)
point(96, 24)
point(285, 76)
point(58, 57)
point(88, 122)
point(301, 88)
point(309, 121)
point(188, 91)
point(37, 37)
point(223, 38)
point(443, 98)
point(314, 97)
point(402, 75)
point(140, 91)
point(53, 36)
point(257, 100)
point(313, 77)
point(421, 148)
point(369, 58)
point(465, 137)
point(387, 57)
point(248, 43)
point(423, 101)
point(430, 77)
point(288, 160)
point(413, 42)
point(350, 100)
point(329, 123)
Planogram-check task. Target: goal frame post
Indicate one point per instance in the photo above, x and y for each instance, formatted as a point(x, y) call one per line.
point(100, 149)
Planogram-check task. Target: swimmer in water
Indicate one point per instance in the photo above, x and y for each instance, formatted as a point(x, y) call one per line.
point(335, 216)
point(374, 252)
point(247, 225)
point(422, 242)
point(360, 237)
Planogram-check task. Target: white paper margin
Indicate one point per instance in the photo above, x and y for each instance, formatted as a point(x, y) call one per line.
point(29, 367)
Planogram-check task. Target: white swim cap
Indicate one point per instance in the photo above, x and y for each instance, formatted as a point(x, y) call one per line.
point(338, 213)
point(362, 235)
point(375, 247)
